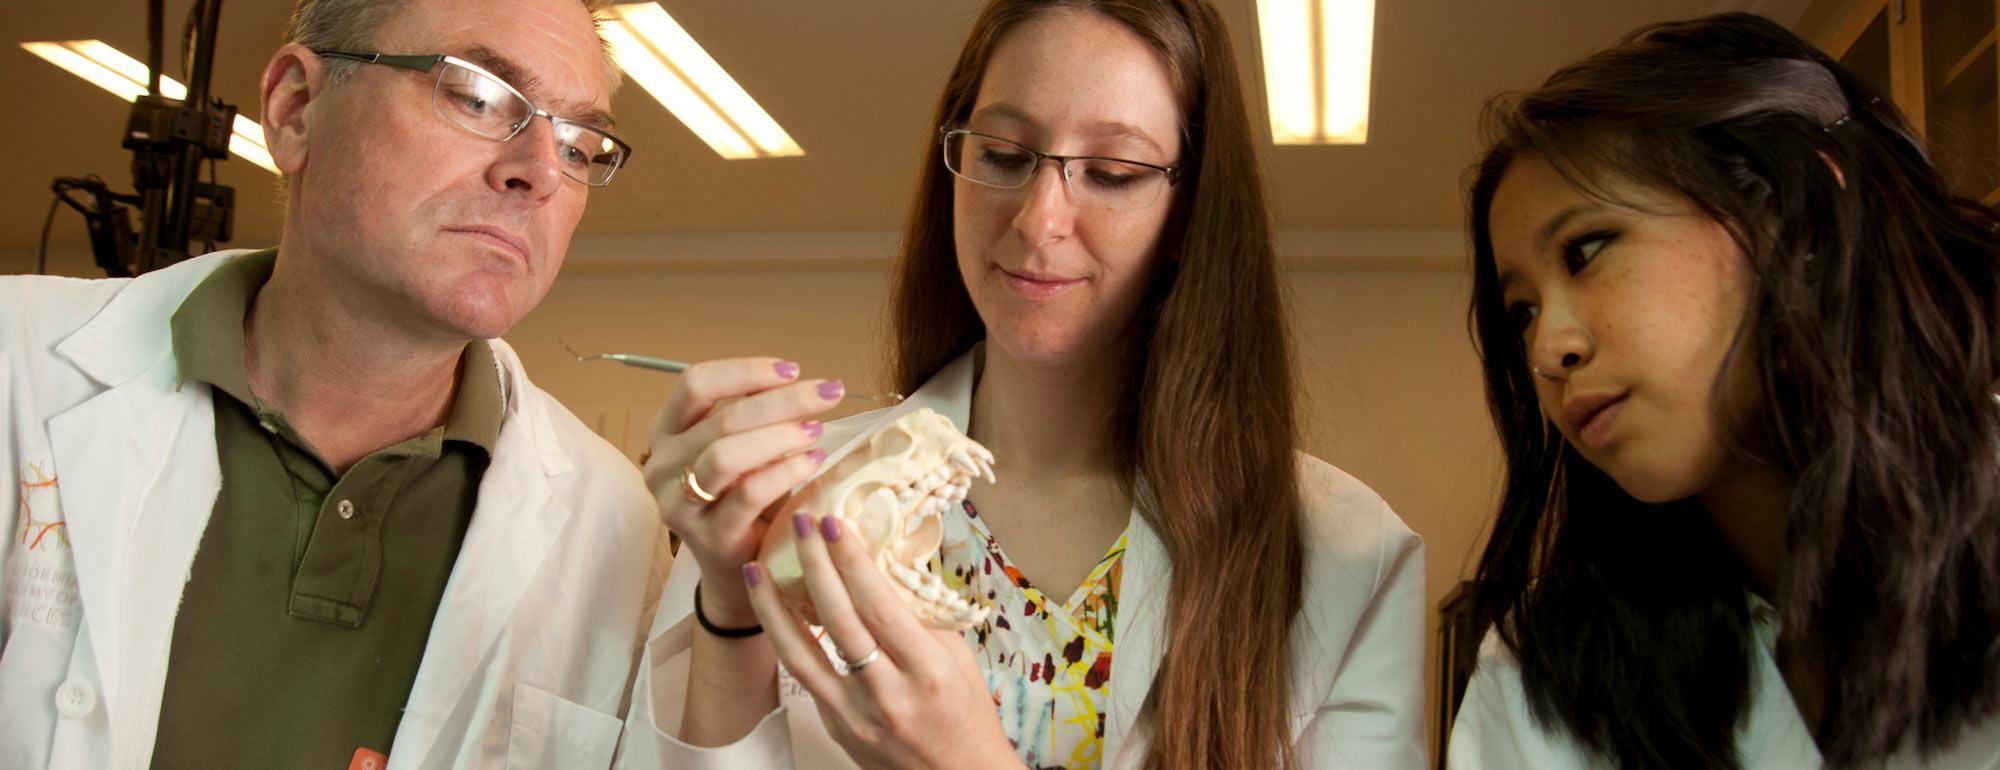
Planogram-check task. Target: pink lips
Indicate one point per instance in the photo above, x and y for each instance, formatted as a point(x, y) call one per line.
point(1039, 286)
point(1590, 417)
point(500, 237)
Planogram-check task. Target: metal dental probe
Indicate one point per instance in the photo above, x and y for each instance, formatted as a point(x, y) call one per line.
point(676, 367)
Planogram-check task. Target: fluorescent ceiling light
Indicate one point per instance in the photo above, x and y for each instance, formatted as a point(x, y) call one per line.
point(110, 69)
point(1316, 68)
point(651, 47)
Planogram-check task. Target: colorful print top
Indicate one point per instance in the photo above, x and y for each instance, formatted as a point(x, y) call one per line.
point(1047, 664)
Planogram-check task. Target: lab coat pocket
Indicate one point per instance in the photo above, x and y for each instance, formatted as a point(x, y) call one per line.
point(551, 733)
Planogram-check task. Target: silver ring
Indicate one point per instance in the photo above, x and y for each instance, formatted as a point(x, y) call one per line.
point(855, 666)
point(1537, 371)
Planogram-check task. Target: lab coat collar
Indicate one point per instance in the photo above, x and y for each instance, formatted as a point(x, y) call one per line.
point(1140, 624)
point(517, 519)
point(111, 453)
point(131, 335)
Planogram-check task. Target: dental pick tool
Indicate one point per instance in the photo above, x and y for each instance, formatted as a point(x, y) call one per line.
point(677, 367)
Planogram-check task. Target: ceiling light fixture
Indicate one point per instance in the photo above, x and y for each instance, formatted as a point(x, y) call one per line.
point(1317, 55)
point(651, 47)
point(110, 69)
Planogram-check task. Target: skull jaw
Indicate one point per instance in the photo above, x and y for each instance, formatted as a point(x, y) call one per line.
point(780, 557)
point(890, 492)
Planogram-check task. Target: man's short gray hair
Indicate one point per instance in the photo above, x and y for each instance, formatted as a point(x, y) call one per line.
point(351, 25)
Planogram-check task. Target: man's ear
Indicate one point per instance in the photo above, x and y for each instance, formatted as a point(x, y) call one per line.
point(292, 80)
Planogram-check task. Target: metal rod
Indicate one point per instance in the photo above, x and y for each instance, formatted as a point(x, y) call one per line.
point(180, 207)
point(156, 22)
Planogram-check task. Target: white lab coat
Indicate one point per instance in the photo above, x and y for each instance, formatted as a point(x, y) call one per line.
point(116, 473)
point(1495, 731)
point(1357, 688)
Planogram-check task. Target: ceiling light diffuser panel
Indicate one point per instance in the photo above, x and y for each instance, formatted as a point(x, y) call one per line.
point(125, 77)
point(654, 50)
point(1317, 55)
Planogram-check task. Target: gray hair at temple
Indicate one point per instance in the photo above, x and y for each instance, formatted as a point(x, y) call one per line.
point(350, 25)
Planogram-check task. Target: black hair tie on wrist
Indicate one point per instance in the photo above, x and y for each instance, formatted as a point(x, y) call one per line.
point(726, 633)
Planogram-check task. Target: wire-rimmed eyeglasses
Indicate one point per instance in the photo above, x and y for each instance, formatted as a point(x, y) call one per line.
point(1108, 183)
point(482, 103)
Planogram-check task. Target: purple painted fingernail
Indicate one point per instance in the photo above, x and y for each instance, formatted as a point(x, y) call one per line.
point(750, 576)
point(813, 428)
point(831, 390)
point(803, 525)
point(817, 456)
point(830, 527)
point(787, 370)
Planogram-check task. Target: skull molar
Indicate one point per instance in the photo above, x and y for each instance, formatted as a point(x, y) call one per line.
point(891, 491)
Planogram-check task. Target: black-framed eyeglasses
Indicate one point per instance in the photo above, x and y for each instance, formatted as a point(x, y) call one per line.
point(480, 102)
point(1108, 183)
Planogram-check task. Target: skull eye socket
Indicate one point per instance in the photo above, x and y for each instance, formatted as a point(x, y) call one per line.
point(895, 442)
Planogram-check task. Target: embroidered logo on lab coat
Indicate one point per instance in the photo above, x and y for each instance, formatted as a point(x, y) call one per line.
point(41, 577)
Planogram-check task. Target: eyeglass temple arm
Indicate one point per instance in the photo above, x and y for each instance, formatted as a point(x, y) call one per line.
point(417, 63)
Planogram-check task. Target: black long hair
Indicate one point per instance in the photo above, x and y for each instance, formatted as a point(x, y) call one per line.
point(1870, 334)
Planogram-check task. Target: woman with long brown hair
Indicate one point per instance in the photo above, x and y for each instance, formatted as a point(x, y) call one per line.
point(1087, 287)
point(1739, 341)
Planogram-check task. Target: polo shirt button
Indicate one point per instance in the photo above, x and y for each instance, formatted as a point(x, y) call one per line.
point(267, 426)
point(346, 509)
point(76, 699)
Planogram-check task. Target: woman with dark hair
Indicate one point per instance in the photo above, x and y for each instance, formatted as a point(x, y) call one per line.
point(1086, 287)
point(1739, 343)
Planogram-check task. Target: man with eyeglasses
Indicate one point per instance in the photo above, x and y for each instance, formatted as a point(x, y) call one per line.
point(297, 507)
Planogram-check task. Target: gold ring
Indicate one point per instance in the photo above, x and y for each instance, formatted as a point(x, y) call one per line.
point(692, 490)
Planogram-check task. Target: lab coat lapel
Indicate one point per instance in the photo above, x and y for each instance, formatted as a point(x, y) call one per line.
point(1140, 625)
point(1140, 630)
point(133, 524)
point(514, 524)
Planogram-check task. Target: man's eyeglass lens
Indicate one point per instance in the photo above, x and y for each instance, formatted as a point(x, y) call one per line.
point(489, 108)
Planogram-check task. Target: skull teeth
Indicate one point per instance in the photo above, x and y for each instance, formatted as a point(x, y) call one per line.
point(931, 590)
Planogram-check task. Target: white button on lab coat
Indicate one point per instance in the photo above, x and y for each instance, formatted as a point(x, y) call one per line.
point(108, 474)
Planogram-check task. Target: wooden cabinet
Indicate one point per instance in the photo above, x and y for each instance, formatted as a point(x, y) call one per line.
point(1936, 59)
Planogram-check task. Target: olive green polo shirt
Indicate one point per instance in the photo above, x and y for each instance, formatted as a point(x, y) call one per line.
point(309, 602)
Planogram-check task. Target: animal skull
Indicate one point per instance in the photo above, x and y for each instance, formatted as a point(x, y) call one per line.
point(890, 491)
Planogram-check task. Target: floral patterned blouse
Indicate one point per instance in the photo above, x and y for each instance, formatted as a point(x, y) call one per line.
point(1048, 664)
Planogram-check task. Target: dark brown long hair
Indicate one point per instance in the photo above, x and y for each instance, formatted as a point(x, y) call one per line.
point(1208, 417)
point(1870, 332)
